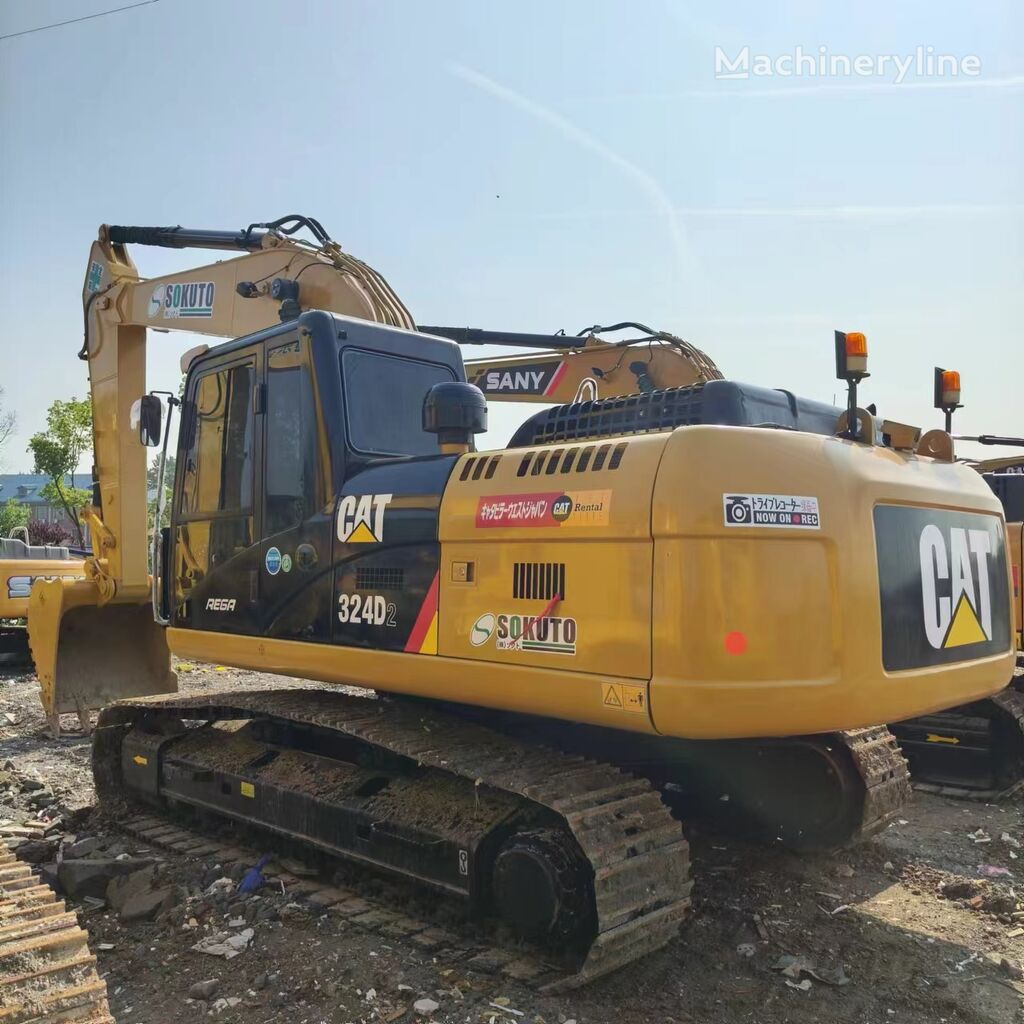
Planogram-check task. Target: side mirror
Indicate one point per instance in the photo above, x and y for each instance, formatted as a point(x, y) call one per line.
point(151, 411)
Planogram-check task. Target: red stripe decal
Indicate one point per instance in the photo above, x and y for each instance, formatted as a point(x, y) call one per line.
point(424, 618)
point(556, 378)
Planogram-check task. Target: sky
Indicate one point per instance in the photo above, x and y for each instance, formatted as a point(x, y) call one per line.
point(535, 166)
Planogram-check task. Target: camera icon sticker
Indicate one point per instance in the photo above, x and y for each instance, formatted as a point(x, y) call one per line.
point(739, 509)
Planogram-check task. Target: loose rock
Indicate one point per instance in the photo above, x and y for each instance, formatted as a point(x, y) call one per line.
point(204, 989)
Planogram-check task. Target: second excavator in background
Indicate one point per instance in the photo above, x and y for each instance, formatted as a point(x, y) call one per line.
point(21, 564)
point(976, 750)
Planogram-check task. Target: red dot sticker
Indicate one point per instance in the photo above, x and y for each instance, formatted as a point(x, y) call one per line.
point(736, 643)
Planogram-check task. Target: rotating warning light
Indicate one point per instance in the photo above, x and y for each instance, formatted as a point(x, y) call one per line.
point(947, 388)
point(851, 356)
point(947, 393)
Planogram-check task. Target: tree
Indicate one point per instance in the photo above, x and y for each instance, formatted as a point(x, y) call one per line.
point(58, 451)
point(42, 532)
point(12, 515)
point(7, 423)
point(151, 474)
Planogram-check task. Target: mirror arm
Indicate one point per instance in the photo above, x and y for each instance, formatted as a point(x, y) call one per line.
point(158, 514)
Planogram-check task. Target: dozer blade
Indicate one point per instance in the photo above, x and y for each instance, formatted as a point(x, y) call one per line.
point(88, 654)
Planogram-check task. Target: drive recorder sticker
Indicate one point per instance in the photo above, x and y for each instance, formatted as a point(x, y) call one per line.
point(780, 511)
point(549, 508)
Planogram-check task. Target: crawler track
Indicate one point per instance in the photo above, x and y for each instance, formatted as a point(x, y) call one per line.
point(47, 973)
point(972, 752)
point(880, 763)
point(635, 849)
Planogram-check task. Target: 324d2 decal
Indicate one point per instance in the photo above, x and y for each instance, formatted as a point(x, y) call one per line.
point(373, 609)
point(943, 584)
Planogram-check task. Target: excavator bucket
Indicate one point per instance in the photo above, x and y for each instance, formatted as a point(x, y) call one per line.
point(88, 654)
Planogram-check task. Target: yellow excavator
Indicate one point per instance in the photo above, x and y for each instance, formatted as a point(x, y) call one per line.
point(21, 564)
point(667, 584)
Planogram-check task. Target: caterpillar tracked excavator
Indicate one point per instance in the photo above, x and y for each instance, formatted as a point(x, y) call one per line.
point(666, 581)
point(976, 750)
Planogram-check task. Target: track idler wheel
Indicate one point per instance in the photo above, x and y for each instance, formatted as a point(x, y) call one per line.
point(543, 889)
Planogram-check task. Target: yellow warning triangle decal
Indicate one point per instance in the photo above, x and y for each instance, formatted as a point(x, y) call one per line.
point(362, 535)
point(964, 628)
point(611, 698)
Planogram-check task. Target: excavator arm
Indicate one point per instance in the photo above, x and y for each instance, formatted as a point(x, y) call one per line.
point(583, 367)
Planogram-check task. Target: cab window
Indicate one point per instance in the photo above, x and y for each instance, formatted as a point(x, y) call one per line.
point(218, 470)
point(292, 483)
point(384, 402)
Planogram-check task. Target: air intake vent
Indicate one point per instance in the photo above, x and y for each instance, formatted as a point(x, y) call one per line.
point(481, 466)
point(539, 581)
point(719, 402)
point(380, 578)
point(572, 460)
point(634, 414)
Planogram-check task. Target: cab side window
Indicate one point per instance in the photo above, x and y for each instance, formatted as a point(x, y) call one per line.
point(218, 470)
point(292, 481)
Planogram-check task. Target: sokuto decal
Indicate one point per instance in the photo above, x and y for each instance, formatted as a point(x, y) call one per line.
point(544, 634)
point(190, 300)
point(944, 587)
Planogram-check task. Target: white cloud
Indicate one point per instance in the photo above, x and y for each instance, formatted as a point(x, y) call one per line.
point(646, 182)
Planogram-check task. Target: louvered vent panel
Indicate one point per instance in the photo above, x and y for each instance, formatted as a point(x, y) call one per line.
point(480, 466)
point(565, 461)
point(539, 581)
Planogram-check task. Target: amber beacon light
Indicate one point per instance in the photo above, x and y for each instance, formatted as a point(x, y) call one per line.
point(851, 366)
point(947, 394)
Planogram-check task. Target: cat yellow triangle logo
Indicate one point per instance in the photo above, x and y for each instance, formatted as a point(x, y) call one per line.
point(362, 534)
point(964, 627)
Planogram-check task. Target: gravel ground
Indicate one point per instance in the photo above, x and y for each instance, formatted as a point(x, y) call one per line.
point(917, 928)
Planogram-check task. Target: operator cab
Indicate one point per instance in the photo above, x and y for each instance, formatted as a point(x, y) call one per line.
point(307, 488)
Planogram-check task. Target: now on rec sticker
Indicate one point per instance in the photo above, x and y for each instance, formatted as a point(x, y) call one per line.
point(779, 511)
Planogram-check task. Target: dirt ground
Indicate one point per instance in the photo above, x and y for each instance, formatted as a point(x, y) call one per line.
point(920, 931)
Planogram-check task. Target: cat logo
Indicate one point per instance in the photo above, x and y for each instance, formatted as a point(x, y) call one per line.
point(361, 518)
point(964, 614)
point(944, 586)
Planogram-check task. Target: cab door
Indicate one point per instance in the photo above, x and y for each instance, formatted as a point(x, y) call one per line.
point(295, 579)
point(214, 559)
